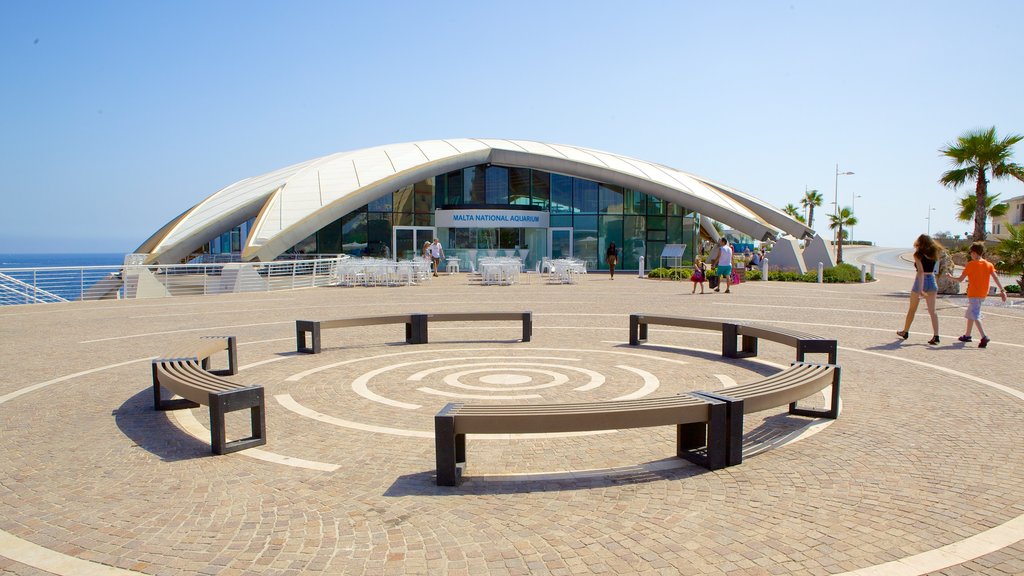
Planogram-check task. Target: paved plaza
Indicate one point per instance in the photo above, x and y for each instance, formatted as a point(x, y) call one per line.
point(922, 473)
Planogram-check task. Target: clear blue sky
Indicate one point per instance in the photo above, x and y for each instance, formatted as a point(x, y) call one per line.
point(117, 116)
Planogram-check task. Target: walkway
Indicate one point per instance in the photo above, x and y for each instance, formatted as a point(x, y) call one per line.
point(921, 474)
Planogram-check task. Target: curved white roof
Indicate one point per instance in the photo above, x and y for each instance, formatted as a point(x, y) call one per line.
point(291, 203)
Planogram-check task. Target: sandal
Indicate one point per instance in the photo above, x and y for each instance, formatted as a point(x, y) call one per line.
point(934, 340)
point(903, 334)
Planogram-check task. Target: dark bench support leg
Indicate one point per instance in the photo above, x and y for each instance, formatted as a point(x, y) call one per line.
point(160, 404)
point(637, 330)
point(711, 436)
point(829, 347)
point(527, 326)
point(232, 369)
point(733, 425)
point(831, 412)
point(416, 331)
point(730, 339)
point(301, 328)
point(450, 448)
point(223, 402)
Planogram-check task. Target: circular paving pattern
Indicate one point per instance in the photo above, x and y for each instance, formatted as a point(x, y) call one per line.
point(900, 483)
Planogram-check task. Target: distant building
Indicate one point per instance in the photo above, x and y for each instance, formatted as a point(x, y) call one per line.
point(1015, 216)
point(479, 197)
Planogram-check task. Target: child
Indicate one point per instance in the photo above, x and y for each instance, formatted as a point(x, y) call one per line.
point(977, 271)
point(698, 276)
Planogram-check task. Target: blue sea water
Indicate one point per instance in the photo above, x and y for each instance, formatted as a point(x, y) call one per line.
point(49, 260)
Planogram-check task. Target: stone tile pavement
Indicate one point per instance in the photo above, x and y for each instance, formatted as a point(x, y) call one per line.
point(921, 474)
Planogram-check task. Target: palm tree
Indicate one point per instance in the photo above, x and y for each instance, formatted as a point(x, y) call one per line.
point(993, 207)
point(794, 212)
point(845, 218)
point(1011, 251)
point(812, 199)
point(974, 155)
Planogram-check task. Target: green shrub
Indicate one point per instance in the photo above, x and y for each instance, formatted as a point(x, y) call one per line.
point(658, 273)
point(841, 273)
point(753, 275)
point(1013, 289)
point(670, 273)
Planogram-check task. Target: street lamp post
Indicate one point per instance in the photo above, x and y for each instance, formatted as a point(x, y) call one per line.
point(853, 208)
point(835, 200)
point(929, 219)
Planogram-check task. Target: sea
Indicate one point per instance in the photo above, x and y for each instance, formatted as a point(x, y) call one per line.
point(65, 259)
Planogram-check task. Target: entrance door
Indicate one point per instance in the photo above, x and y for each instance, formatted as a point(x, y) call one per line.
point(560, 243)
point(408, 240)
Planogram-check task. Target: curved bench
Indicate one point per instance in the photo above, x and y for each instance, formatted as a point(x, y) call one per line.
point(186, 373)
point(700, 422)
point(416, 325)
point(739, 339)
point(795, 383)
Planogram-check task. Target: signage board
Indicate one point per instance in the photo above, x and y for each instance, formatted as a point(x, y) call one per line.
point(484, 218)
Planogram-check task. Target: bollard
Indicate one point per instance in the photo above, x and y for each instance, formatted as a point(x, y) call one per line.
point(764, 270)
point(641, 266)
point(873, 272)
point(863, 273)
point(821, 272)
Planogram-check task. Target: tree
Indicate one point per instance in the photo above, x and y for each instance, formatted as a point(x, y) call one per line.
point(812, 199)
point(793, 212)
point(974, 155)
point(844, 219)
point(1011, 252)
point(993, 207)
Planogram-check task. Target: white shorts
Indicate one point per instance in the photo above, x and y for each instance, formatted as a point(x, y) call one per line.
point(973, 308)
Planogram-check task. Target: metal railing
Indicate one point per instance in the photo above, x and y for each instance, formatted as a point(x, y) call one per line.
point(65, 284)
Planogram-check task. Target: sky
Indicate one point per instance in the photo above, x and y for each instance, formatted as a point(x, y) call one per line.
point(115, 117)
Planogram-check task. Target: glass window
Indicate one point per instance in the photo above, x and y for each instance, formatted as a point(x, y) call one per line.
point(561, 221)
point(584, 238)
point(402, 219)
point(540, 194)
point(634, 240)
point(509, 238)
point(440, 190)
point(610, 230)
point(328, 238)
point(403, 200)
point(382, 204)
point(655, 206)
point(455, 188)
point(584, 194)
point(674, 209)
point(473, 191)
point(518, 186)
point(307, 246)
point(561, 194)
point(674, 229)
point(656, 236)
point(423, 194)
point(635, 202)
point(610, 199)
point(353, 230)
point(378, 235)
point(497, 185)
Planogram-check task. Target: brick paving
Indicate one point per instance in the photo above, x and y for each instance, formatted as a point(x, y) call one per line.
point(927, 452)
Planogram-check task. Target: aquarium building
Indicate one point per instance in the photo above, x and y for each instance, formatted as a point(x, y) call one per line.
point(480, 197)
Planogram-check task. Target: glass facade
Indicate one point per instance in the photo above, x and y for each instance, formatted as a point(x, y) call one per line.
point(589, 215)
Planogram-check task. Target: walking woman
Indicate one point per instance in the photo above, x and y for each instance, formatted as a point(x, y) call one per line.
point(611, 256)
point(927, 253)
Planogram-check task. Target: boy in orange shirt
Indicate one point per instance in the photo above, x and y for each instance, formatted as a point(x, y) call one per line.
point(977, 271)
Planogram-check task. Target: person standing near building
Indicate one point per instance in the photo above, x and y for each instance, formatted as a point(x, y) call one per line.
point(724, 269)
point(611, 256)
point(436, 253)
point(978, 272)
